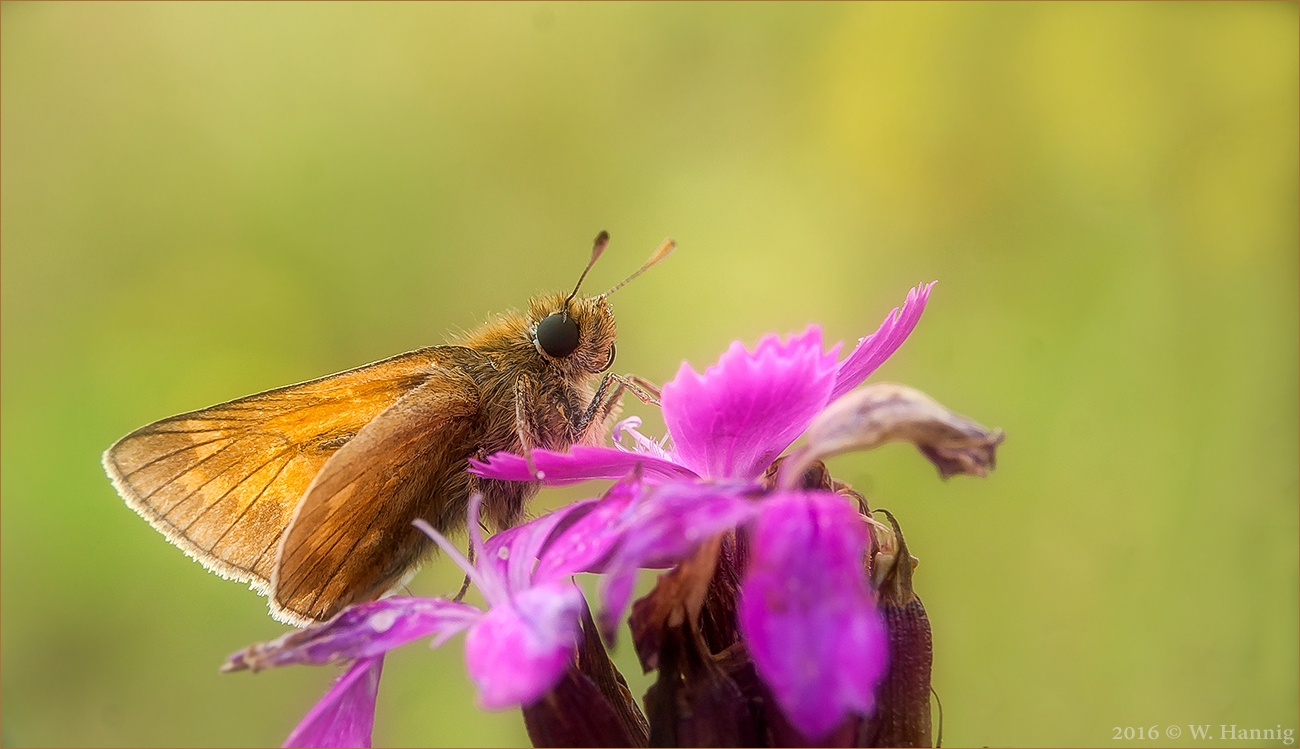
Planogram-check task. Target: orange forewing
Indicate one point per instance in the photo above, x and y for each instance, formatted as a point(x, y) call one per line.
point(351, 536)
point(222, 483)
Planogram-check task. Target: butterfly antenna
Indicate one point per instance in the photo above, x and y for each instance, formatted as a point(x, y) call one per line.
point(664, 251)
point(597, 248)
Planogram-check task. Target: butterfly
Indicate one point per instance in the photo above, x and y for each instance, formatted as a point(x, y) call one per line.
point(308, 492)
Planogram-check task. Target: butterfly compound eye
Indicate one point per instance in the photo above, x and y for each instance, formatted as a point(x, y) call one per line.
point(558, 335)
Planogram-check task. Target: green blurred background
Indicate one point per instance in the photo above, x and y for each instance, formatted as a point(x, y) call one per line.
point(204, 201)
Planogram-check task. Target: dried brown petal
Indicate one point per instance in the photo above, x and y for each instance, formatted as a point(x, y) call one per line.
point(815, 476)
point(676, 598)
point(718, 617)
point(886, 412)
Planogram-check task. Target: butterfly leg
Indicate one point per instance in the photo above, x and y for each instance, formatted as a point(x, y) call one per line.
point(645, 390)
point(524, 427)
point(503, 501)
point(592, 421)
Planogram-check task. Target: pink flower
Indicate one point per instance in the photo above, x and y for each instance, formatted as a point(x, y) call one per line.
point(806, 611)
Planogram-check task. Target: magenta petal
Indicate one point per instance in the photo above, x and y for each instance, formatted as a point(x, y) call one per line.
point(585, 545)
point(806, 611)
point(675, 518)
point(512, 554)
point(736, 418)
point(873, 350)
point(361, 631)
point(517, 652)
point(581, 463)
point(665, 527)
point(345, 716)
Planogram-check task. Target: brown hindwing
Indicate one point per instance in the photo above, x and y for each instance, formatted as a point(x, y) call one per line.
point(351, 536)
point(222, 483)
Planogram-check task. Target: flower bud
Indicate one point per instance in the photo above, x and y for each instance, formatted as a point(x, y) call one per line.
point(902, 716)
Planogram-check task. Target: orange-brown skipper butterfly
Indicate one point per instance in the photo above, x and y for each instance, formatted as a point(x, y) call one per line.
point(307, 492)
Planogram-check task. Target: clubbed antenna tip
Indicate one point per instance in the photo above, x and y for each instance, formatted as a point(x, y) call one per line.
point(597, 248)
point(664, 250)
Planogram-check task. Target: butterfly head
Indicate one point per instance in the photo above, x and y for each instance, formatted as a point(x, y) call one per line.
point(575, 334)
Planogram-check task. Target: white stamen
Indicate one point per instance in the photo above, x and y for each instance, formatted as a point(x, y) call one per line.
point(643, 444)
point(630, 423)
